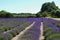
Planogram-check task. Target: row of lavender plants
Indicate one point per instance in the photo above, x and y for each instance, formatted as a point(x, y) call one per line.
point(51, 32)
point(8, 24)
point(32, 33)
point(15, 31)
point(55, 22)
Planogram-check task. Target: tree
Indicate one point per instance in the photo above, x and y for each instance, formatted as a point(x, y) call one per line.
point(4, 14)
point(57, 14)
point(49, 7)
point(48, 10)
point(8, 15)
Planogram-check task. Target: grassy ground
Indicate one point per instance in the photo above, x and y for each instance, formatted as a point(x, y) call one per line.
point(54, 18)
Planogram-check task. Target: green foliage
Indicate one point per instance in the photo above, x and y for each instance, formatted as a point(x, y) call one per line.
point(56, 14)
point(4, 14)
point(8, 15)
point(54, 37)
point(44, 14)
point(38, 15)
point(24, 15)
point(2, 38)
point(49, 7)
point(12, 33)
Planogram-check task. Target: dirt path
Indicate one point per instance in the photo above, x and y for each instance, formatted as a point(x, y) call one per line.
point(22, 32)
point(41, 35)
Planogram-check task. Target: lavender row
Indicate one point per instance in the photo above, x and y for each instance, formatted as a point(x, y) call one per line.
point(34, 19)
point(55, 22)
point(10, 34)
point(50, 24)
point(10, 24)
point(32, 33)
point(49, 32)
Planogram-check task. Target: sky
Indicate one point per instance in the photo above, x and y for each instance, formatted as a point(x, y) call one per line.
point(24, 6)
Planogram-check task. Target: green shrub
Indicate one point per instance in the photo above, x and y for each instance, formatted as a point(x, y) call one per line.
point(53, 37)
point(2, 38)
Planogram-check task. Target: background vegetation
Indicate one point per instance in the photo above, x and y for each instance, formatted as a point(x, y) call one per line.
point(48, 9)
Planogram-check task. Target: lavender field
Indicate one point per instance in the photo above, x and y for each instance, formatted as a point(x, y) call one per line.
point(29, 29)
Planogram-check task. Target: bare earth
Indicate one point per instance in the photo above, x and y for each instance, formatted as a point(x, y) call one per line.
point(22, 32)
point(41, 35)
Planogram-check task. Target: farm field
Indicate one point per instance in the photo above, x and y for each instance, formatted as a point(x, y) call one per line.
point(29, 28)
